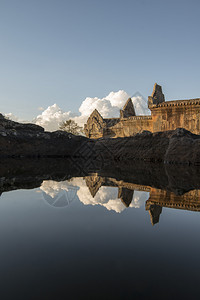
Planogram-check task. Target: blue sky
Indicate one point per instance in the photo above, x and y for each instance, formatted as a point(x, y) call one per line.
point(63, 51)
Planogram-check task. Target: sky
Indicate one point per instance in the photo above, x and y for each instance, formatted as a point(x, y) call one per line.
point(63, 51)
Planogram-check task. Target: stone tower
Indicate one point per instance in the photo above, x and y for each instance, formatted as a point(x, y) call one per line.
point(128, 109)
point(157, 96)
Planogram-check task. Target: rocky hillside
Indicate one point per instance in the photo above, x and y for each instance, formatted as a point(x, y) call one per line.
point(175, 146)
point(30, 140)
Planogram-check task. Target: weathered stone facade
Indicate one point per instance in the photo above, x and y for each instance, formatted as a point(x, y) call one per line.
point(165, 115)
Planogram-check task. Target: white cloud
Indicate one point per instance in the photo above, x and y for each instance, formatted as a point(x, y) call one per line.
point(140, 105)
point(14, 118)
point(118, 99)
point(108, 107)
point(51, 118)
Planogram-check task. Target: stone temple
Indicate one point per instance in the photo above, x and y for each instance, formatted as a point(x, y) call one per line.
point(165, 115)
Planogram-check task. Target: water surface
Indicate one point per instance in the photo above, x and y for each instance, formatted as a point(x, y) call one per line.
point(99, 238)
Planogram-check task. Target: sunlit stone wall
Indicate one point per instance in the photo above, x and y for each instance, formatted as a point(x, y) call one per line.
point(175, 114)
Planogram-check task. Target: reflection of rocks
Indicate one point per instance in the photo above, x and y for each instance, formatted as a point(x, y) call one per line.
point(30, 173)
point(114, 186)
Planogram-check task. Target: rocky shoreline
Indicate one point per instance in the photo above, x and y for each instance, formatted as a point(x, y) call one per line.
point(29, 140)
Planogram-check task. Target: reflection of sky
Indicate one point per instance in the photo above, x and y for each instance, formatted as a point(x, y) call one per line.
point(106, 196)
point(87, 250)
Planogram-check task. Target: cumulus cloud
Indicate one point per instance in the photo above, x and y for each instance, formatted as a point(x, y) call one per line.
point(140, 105)
point(14, 118)
point(106, 196)
point(52, 117)
point(108, 107)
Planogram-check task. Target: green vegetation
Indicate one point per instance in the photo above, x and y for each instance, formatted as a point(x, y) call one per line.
point(71, 127)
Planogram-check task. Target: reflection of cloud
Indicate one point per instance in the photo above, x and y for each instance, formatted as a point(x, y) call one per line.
point(115, 204)
point(139, 199)
point(106, 196)
point(58, 193)
point(102, 196)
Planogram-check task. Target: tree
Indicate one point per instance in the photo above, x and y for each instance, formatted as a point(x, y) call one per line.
point(71, 127)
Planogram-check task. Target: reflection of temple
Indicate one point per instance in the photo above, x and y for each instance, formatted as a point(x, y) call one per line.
point(125, 189)
point(161, 198)
point(157, 198)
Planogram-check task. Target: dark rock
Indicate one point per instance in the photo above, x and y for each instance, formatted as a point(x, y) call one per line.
point(30, 140)
point(6, 124)
point(175, 146)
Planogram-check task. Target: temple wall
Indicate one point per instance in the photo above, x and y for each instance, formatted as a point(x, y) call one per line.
point(129, 126)
point(172, 117)
point(164, 116)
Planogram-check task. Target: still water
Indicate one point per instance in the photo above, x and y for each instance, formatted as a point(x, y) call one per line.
point(99, 238)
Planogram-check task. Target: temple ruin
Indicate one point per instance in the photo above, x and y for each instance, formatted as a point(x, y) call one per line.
point(165, 115)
